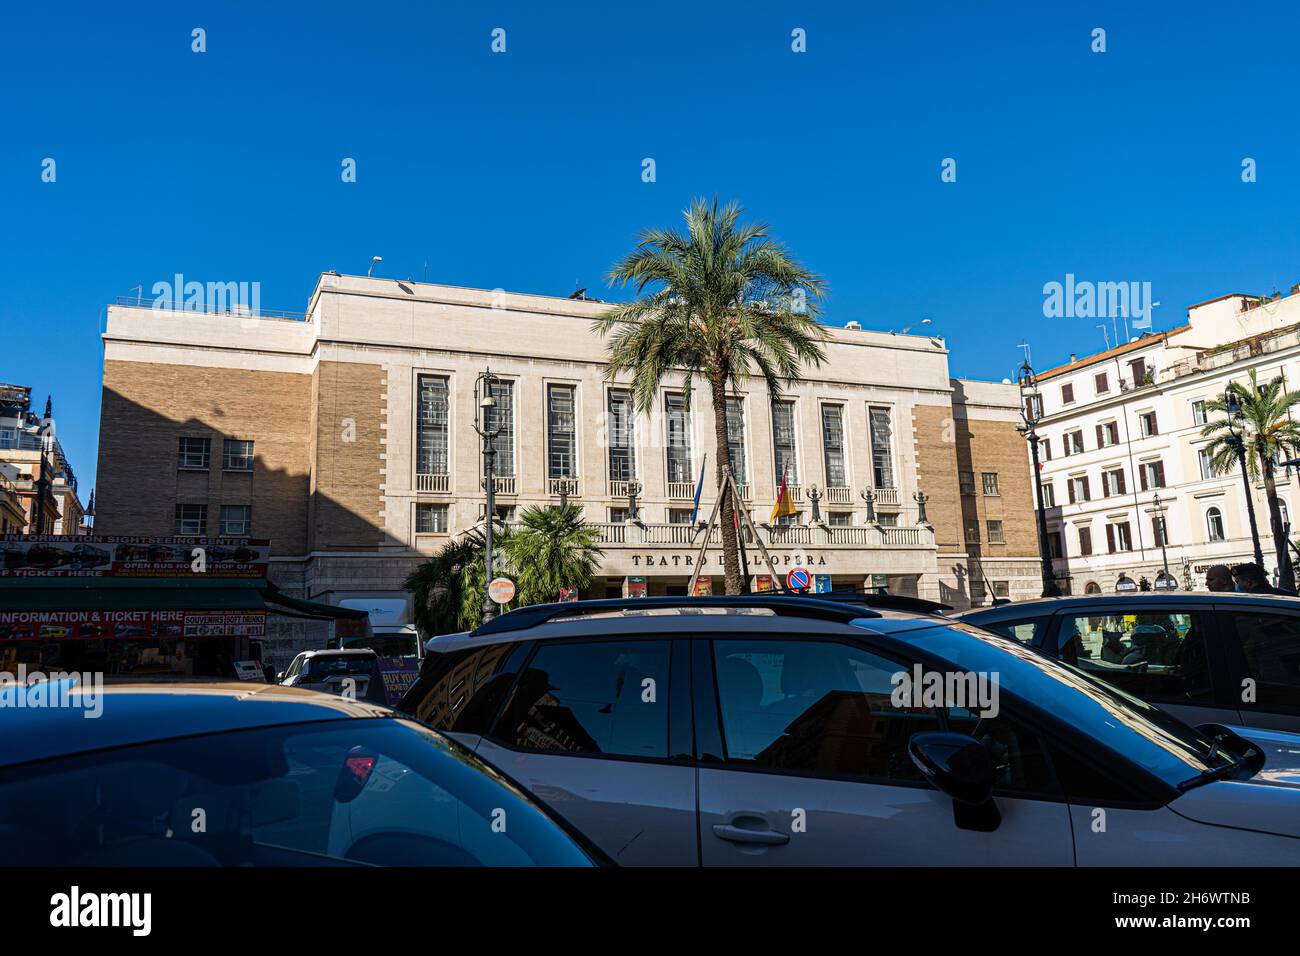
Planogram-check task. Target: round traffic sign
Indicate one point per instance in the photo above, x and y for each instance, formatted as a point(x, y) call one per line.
point(798, 579)
point(501, 590)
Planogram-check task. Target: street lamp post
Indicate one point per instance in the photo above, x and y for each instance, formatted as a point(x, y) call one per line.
point(1158, 506)
point(1233, 408)
point(488, 428)
point(1030, 413)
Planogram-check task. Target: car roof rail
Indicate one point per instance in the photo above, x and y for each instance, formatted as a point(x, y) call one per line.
point(535, 614)
point(885, 600)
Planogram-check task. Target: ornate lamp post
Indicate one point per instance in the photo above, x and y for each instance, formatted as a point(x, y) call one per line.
point(633, 489)
point(488, 428)
point(1233, 408)
point(869, 497)
point(1030, 413)
point(815, 496)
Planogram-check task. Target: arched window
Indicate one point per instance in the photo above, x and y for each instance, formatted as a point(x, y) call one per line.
point(1214, 524)
point(1092, 587)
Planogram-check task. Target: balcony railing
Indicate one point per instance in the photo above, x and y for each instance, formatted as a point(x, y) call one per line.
point(563, 486)
point(502, 484)
point(839, 496)
point(434, 483)
point(863, 536)
point(619, 489)
point(886, 496)
point(681, 490)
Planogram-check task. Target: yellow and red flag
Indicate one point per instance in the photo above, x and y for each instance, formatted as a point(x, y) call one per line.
point(784, 503)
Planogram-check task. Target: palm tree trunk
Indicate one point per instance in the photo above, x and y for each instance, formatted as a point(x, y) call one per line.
point(1285, 571)
point(727, 518)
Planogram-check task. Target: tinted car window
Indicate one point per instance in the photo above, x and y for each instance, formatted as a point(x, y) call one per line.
point(1270, 644)
point(605, 697)
point(462, 690)
point(1024, 631)
point(1020, 762)
point(1161, 656)
point(1117, 721)
point(325, 666)
point(354, 792)
point(815, 707)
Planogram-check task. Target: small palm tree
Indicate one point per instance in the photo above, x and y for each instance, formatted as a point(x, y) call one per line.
point(553, 548)
point(1257, 417)
point(721, 301)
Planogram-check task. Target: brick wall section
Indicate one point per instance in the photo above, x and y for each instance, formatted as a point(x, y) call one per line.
point(990, 445)
point(936, 473)
point(146, 408)
point(350, 412)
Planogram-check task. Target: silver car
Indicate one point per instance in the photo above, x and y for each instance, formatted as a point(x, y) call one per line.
point(766, 731)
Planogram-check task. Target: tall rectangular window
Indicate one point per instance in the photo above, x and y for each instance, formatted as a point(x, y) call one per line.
point(736, 438)
point(431, 426)
point(783, 446)
point(1198, 413)
point(882, 454)
point(990, 479)
point(833, 446)
point(622, 450)
point(678, 434)
point(502, 415)
point(561, 432)
point(1207, 467)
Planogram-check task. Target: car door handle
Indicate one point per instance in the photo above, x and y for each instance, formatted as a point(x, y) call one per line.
point(725, 831)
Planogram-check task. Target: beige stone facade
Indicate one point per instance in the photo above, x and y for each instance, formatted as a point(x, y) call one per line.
point(353, 490)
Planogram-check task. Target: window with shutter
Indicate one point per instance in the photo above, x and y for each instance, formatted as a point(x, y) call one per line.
point(1085, 541)
point(1110, 538)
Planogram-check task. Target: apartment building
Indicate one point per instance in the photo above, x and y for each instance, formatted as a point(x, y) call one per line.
point(30, 449)
point(1122, 428)
point(346, 436)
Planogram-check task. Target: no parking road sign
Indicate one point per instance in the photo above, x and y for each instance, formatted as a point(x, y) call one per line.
point(798, 579)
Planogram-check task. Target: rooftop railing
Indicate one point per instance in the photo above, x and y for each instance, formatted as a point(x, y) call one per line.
point(233, 311)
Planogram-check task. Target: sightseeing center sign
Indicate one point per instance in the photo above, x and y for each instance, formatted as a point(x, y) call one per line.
point(101, 556)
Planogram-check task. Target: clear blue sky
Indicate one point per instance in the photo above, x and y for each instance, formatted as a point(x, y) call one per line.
point(523, 170)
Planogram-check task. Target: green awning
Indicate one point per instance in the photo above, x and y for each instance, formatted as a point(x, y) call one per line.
point(157, 594)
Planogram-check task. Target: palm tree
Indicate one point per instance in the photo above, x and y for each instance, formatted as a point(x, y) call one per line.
point(553, 548)
point(721, 301)
point(1259, 422)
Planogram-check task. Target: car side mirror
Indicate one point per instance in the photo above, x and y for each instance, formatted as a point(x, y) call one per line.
point(960, 766)
point(279, 677)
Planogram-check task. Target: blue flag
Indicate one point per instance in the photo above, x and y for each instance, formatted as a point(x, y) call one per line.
point(695, 514)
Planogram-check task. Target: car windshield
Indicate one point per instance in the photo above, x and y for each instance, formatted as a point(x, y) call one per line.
point(351, 792)
point(351, 664)
point(1148, 736)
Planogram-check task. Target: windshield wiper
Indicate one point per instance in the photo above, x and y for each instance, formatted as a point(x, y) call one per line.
point(1227, 770)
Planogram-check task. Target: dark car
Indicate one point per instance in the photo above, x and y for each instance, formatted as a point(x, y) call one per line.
point(255, 775)
point(1202, 656)
point(770, 730)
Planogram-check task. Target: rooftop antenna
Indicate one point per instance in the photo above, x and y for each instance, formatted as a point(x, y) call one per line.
point(1025, 346)
point(374, 260)
point(1105, 335)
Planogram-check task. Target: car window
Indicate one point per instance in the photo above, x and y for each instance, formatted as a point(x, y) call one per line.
point(353, 792)
point(606, 697)
point(462, 690)
point(1270, 644)
point(815, 707)
point(1020, 761)
point(351, 664)
point(1160, 656)
point(1023, 630)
